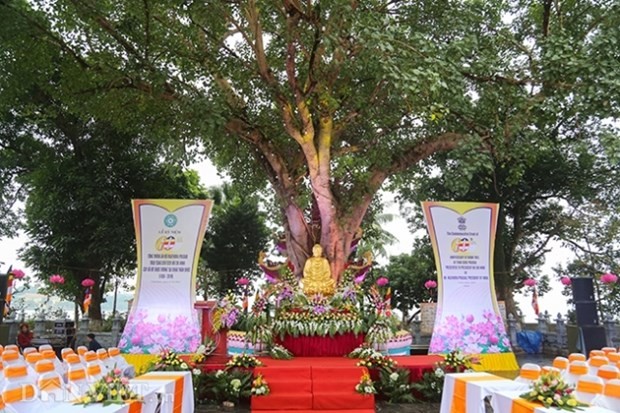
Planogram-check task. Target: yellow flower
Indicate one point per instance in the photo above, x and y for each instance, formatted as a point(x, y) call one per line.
point(533, 393)
point(99, 397)
point(549, 400)
point(123, 392)
point(541, 398)
point(560, 402)
point(87, 400)
point(571, 402)
point(113, 393)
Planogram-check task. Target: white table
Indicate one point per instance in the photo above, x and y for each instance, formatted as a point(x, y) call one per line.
point(174, 400)
point(478, 386)
point(502, 403)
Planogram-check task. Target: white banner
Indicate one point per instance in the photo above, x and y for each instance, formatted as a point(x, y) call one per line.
point(468, 317)
point(169, 234)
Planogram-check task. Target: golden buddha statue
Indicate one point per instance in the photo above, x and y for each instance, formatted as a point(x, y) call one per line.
point(317, 274)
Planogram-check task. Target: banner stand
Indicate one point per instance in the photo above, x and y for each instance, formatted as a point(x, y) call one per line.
point(468, 317)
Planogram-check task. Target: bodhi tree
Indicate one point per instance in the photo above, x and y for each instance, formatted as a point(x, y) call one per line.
point(325, 100)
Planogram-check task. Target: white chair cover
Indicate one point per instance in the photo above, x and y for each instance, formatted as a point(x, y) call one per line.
point(561, 363)
point(51, 387)
point(608, 372)
point(44, 347)
point(588, 388)
point(610, 399)
point(529, 372)
point(29, 350)
point(77, 383)
point(93, 371)
point(22, 398)
point(595, 362)
point(576, 369)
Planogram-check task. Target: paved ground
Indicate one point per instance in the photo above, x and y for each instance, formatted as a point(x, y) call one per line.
point(539, 359)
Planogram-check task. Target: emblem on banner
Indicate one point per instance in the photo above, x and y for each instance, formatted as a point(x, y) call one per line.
point(462, 221)
point(170, 220)
point(165, 244)
point(462, 245)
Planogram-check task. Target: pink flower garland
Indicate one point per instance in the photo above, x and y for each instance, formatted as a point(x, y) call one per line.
point(57, 279)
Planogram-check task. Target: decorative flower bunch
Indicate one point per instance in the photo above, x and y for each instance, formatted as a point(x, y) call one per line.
point(364, 351)
point(243, 360)
point(377, 361)
point(609, 278)
point(530, 282)
point(88, 282)
point(226, 314)
point(552, 391)
point(395, 386)
point(260, 387)
point(18, 274)
point(203, 351)
point(566, 281)
point(168, 360)
point(57, 279)
point(285, 296)
point(279, 352)
point(457, 362)
point(430, 284)
point(365, 386)
point(110, 389)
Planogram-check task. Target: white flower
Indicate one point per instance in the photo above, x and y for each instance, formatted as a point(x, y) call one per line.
point(394, 376)
point(219, 373)
point(235, 383)
point(439, 372)
point(184, 366)
point(201, 349)
point(196, 372)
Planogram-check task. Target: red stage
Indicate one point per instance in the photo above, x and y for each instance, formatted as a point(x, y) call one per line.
point(306, 384)
point(319, 346)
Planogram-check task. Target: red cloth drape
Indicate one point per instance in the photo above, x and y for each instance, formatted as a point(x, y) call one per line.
point(318, 346)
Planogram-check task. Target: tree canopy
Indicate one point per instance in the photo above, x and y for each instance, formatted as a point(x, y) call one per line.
point(324, 100)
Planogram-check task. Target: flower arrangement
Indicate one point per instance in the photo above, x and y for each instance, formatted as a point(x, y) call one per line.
point(226, 314)
point(279, 352)
point(203, 351)
point(552, 391)
point(364, 351)
point(530, 282)
point(260, 387)
point(110, 389)
point(243, 361)
point(395, 386)
point(168, 360)
point(457, 362)
point(320, 320)
point(57, 279)
point(224, 386)
point(377, 361)
point(365, 386)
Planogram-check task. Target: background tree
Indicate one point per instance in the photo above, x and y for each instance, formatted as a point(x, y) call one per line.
point(325, 100)
point(237, 232)
point(80, 179)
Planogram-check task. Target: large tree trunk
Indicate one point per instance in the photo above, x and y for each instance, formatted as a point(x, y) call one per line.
point(504, 285)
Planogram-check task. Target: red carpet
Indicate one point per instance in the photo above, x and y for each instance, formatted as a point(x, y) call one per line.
point(324, 384)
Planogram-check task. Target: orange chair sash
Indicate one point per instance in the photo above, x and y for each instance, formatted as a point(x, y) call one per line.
point(530, 374)
point(93, 370)
point(589, 387)
point(25, 392)
point(76, 374)
point(49, 383)
point(612, 390)
point(607, 374)
point(598, 362)
point(560, 364)
point(15, 371)
point(577, 357)
point(578, 370)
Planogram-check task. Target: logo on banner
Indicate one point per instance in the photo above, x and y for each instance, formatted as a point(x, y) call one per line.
point(165, 244)
point(170, 220)
point(462, 245)
point(462, 221)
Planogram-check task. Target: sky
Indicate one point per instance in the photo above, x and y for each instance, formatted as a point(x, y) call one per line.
point(553, 302)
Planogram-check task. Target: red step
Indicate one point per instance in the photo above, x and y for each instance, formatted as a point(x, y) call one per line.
point(322, 411)
point(342, 400)
point(282, 402)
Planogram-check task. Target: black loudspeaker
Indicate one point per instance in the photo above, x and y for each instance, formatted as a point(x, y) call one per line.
point(583, 289)
point(593, 338)
point(585, 305)
point(587, 314)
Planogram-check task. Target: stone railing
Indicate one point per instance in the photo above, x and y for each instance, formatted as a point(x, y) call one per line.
point(44, 331)
point(555, 333)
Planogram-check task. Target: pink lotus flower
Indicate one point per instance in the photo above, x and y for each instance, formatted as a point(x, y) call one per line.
point(108, 379)
point(243, 281)
point(125, 381)
point(609, 278)
point(566, 281)
point(382, 281)
point(57, 279)
point(88, 282)
point(118, 372)
point(18, 274)
point(470, 318)
point(530, 282)
point(430, 284)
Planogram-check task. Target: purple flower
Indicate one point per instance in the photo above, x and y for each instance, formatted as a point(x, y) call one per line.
point(493, 339)
point(270, 279)
point(430, 284)
point(530, 282)
point(470, 318)
point(609, 278)
point(382, 281)
point(243, 281)
point(566, 281)
point(319, 309)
